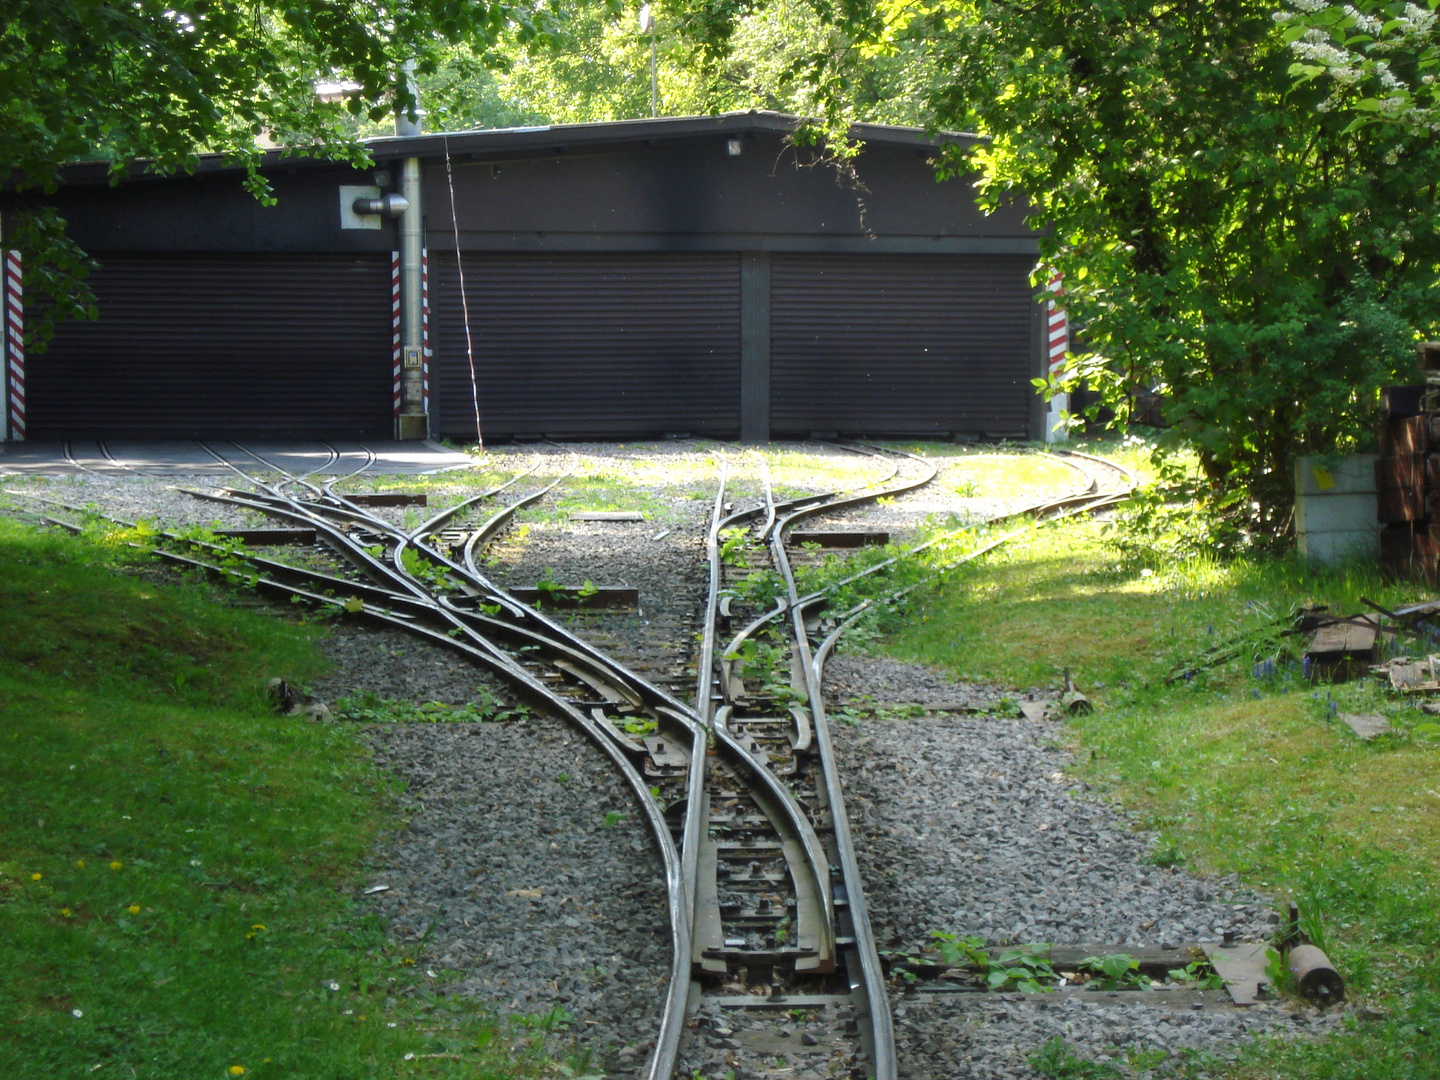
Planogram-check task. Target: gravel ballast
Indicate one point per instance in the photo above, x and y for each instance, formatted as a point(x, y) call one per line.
point(528, 890)
point(530, 877)
point(969, 825)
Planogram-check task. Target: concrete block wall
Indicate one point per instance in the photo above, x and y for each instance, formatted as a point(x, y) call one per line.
point(1336, 510)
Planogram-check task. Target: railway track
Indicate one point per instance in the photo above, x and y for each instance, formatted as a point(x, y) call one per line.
point(736, 780)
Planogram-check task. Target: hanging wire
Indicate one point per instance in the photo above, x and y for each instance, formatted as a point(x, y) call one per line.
point(464, 300)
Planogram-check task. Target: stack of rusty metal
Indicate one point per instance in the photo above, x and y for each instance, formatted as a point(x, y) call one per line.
point(1407, 475)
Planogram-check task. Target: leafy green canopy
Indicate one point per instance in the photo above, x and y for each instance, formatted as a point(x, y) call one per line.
point(1378, 60)
point(709, 58)
point(165, 80)
point(1225, 239)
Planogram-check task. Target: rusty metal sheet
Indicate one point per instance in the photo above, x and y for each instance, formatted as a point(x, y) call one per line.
point(1404, 435)
point(1400, 504)
point(1343, 649)
point(1242, 966)
point(1400, 471)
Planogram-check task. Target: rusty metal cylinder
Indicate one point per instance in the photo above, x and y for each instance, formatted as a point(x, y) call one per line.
point(1315, 977)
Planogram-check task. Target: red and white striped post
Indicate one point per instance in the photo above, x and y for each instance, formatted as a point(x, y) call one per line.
point(1058, 344)
point(14, 335)
point(425, 328)
point(395, 364)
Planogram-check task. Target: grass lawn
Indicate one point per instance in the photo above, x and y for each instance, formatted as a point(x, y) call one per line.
point(1240, 773)
point(179, 867)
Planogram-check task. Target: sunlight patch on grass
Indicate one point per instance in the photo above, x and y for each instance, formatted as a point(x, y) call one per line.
point(1237, 768)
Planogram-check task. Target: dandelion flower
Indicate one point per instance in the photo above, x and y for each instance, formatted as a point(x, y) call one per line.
point(116, 864)
point(237, 1070)
point(65, 911)
point(80, 863)
point(134, 909)
point(36, 877)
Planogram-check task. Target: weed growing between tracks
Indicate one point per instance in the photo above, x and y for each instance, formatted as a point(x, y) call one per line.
point(1236, 773)
point(177, 864)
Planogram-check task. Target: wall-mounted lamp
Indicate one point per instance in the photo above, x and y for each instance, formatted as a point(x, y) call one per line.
point(734, 147)
point(392, 205)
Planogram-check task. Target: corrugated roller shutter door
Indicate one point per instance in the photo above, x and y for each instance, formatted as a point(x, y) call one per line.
point(589, 344)
point(900, 343)
point(208, 345)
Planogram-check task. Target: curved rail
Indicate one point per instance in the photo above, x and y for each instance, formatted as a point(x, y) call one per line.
point(658, 743)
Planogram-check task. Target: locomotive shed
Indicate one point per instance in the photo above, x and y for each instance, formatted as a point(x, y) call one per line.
point(701, 275)
point(527, 892)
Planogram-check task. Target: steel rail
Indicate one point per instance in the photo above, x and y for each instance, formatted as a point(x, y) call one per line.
point(297, 510)
point(1132, 479)
point(393, 587)
point(68, 449)
point(1039, 509)
point(587, 664)
point(481, 649)
point(867, 985)
point(866, 976)
point(488, 528)
point(381, 572)
point(396, 582)
point(804, 508)
point(370, 458)
point(295, 478)
point(1063, 506)
point(863, 971)
point(436, 521)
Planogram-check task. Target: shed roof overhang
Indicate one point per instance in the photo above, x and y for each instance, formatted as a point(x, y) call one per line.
point(502, 143)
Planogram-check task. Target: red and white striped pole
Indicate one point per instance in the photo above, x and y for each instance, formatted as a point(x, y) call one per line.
point(14, 349)
point(425, 328)
point(395, 359)
point(1058, 344)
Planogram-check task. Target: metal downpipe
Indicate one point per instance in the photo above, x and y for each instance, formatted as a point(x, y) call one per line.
point(413, 423)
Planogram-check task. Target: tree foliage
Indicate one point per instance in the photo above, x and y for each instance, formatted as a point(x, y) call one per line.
point(165, 80)
point(1226, 239)
point(1376, 60)
point(709, 58)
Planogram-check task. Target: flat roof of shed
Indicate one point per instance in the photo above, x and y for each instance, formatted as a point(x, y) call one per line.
point(555, 138)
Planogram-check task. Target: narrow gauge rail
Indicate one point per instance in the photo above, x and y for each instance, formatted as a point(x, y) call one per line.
point(760, 869)
point(763, 691)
